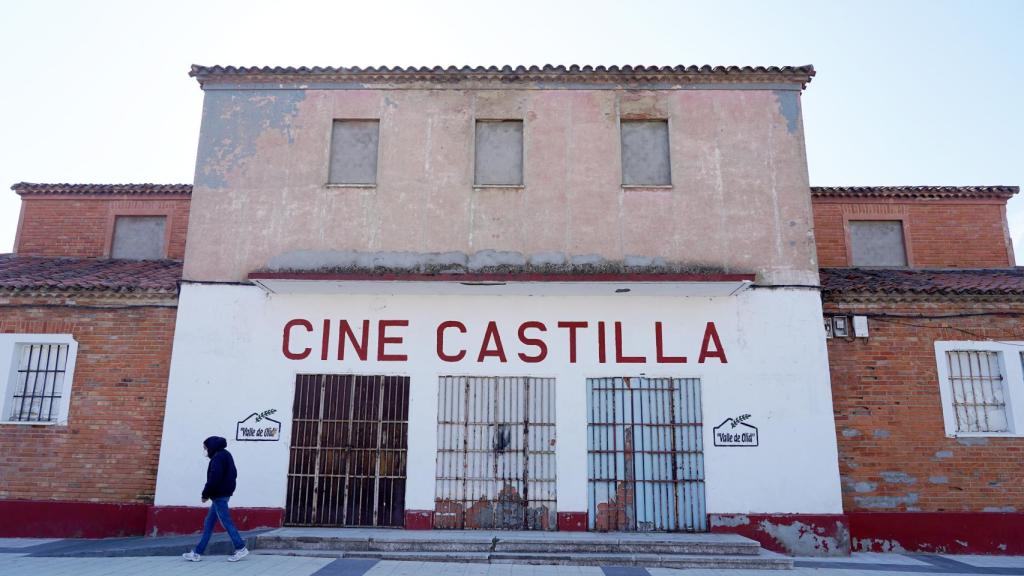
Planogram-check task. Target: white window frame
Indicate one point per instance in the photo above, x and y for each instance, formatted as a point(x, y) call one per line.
point(9, 347)
point(1010, 360)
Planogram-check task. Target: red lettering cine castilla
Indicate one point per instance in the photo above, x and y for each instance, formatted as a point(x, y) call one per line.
point(542, 348)
point(383, 339)
point(286, 339)
point(440, 341)
point(711, 335)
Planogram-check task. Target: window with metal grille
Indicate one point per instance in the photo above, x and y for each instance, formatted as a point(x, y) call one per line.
point(38, 385)
point(977, 381)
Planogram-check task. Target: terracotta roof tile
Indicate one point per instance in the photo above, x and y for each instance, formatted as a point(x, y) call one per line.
point(27, 188)
point(34, 273)
point(546, 73)
point(914, 191)
point(948, 282)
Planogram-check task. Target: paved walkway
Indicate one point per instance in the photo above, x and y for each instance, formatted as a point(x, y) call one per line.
point(159, 557)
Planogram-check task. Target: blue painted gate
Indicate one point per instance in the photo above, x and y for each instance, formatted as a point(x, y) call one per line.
point(645, 455)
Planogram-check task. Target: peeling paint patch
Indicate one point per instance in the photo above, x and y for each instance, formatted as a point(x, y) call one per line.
point(804, 540)
point(944, 454)
point(850, 432)
point(232, 124)
point(862, 487)
point(972, 441)
point(789, 107)
point(999, 509)
point(876, 502)
point(730, 520)
point(876, 545)
point(898, 478)
point(881, 433)
point(938, 479)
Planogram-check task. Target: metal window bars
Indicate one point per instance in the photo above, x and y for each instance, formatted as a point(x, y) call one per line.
point(39, 383)
point(495, 453)
point(646, 455)
point(979, 401)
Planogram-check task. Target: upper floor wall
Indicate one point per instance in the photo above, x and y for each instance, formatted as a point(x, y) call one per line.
point(916, 227)
point(735, 200)
point(129, 221)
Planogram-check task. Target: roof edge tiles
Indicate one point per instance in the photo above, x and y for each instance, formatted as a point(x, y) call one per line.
point(32, 189)
point(573, 74)
point(29, 274)
point(936, 192)
point(888, 282)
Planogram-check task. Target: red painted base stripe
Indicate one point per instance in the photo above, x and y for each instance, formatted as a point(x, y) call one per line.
point(169, 520)
point(62, 519)
point(941, 532)
point(797, 534)
point(572, 521)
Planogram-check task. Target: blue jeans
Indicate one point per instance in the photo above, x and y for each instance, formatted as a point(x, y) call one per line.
point(219, 511)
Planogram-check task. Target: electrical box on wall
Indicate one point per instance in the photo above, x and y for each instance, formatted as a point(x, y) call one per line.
point(860, 326)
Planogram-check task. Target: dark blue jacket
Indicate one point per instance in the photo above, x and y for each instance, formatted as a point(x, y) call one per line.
point(221, 473)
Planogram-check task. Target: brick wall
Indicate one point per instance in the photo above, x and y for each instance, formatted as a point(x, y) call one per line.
point(894, 455)
point(83, 226)
point(977, 227)
point(109, 450)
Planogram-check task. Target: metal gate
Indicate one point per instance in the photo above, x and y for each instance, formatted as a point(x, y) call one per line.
point(348, 451)
point(645, 454)
point(495, 453)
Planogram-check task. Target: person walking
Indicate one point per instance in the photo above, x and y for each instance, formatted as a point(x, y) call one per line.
point(220, 485)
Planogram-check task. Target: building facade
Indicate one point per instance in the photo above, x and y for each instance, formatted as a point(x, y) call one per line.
point(576, 299)
point(519, 298)
point(87, 310)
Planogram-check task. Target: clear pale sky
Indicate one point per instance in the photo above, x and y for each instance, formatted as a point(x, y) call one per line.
point(907, 92)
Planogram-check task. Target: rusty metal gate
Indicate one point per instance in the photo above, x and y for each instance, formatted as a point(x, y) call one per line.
point(348, 451)
point(645, 455)
point(495, 453)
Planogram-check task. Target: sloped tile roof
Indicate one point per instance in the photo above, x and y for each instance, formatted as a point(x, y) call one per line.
point(37, 273)
point(914, 191)
point(30, 188)
point(948, 282)
point(508, 74)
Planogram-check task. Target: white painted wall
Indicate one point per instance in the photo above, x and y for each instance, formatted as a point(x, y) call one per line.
point(228, 363)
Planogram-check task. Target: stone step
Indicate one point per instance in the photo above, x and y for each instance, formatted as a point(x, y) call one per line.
point(763, 561)
point(491, 542)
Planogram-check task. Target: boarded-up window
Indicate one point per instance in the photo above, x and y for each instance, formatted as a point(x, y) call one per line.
point(645, 153)
point(354, 152)
point(877, 243)
point(499, 153)
point(139, 238)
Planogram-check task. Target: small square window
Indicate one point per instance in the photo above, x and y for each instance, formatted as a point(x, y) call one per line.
point(139, 238)
point(499, 153)
point(877, 243)
point(645, 153)
point(354, 152)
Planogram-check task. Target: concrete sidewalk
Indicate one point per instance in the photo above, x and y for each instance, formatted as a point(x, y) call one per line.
point(159, 556)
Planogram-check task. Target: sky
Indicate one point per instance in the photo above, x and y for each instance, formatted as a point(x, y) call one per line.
point(907, 92)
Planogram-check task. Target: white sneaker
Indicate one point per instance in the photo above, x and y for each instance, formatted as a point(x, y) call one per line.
point(191, 556)
point(239, 554)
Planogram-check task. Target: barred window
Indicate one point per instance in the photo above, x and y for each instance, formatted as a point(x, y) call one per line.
point(978, 385)
point(38, 382)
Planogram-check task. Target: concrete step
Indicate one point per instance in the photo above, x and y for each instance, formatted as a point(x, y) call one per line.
point(359, 540)
point(762, 561)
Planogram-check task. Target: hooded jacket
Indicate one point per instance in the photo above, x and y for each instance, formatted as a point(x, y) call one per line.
point(221, 472)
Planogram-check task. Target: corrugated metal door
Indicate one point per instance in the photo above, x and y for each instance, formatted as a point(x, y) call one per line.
point(645, 455)
point(348, 451)
point(495, 453)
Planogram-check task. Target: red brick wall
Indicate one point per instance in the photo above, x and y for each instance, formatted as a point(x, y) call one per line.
point(976, 227)
point(83, 226)
point(894, 455)
point(108, 452)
